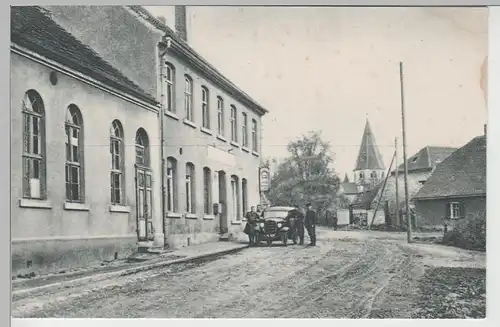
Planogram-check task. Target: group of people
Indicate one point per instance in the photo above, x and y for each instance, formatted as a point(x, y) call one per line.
point(300, 221)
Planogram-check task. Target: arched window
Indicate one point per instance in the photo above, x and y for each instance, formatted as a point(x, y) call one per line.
point(255, 140)
point(171, 184)
point(170, 87)
point(244, 195)
point(244, 130)
point(34, 160)
point(117, 163)
point(205, 107)
point(235, 195)
point(190, 188)
point(207, 190)
point(373, 174)
point(74, 155)
point(188, 97)
point(234, 124)
point(142, 148)
point(220, 116)
point(361, 176)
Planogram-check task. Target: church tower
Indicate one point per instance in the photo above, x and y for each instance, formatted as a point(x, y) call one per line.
point(369, 170)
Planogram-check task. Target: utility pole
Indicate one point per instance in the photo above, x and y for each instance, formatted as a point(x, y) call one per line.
point(398, 222)
point(405, 164)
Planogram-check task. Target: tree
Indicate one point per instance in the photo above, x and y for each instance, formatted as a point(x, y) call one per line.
point(305, 175)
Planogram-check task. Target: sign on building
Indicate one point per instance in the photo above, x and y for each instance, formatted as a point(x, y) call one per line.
point(264, 179)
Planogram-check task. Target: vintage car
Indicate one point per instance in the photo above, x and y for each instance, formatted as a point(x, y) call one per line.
point(273, 226)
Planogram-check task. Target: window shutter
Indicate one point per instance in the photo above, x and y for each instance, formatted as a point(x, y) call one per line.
point(447, 212)
point(462, 210)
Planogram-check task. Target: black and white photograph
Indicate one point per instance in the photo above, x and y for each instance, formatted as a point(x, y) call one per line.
point(215, 162)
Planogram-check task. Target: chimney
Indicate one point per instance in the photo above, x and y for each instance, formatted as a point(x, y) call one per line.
point(162, 19)
point(180, 22)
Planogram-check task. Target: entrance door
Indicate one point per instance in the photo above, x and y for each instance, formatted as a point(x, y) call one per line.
point(223, 201)
point(143, 181)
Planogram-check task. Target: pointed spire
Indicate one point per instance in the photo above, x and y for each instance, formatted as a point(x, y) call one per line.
point(369, 156)
point(346, 178)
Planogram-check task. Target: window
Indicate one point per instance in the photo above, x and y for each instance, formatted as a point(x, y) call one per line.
point(171, 184)
point(142, 148)
point(361, 176)
point(188, 97)
point(117, 163)
point(207, 188)
point(190, 187)
point(373, 174)
point(234, 134)
point(34, 181)
point(235, 195)
point(244, 195)
point(244, 130)
point(220, 116)
point(454, 210)
point(74, 155)
point(170, 87)
point(205, 107)
point(255, 143)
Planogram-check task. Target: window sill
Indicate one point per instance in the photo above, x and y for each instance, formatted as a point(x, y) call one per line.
point(256, 154)
point(208, 217)
point(233, 143)
point(173, 215)
point(171, 114)
point(222, 138)
point(246, 149)
point(35, 203)
point(206, 130)
point(119, 208)
point(191, 216)
point(236, 222)
point(76, 206)
point(189, 123)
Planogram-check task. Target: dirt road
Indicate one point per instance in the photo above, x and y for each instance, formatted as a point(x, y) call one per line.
point(349, 275)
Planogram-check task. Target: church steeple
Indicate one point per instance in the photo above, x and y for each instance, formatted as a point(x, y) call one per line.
point(346, 178)
point(369, 165)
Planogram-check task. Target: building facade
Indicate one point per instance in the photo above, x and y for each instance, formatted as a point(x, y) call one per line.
point(84, 154)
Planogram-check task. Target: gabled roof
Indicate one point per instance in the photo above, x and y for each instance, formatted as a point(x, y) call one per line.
point(364, 199)
point(427, 158)
point(369, 156)
point(205, 67)
point(463, 173)
point(33, 29)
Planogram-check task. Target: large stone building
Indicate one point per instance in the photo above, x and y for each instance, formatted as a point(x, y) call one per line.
point(126, 138)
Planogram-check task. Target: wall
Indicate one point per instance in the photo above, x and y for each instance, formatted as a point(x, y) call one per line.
point(132, 50)
point(55, 238)
point(432, 213)
point(389, 194)
point(204, 148)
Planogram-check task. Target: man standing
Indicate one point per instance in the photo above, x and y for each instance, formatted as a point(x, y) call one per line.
point(252, 218)
point(310, 223)
point(298, 224)
point(259, 211)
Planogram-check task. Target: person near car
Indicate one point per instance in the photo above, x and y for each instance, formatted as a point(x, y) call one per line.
point(252, 218)
point(310, 222)
point(298, 226)
point(259, 211)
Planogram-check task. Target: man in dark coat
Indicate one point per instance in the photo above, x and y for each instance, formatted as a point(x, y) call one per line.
point(252, 216)
point(298, 223)
point(310, 223)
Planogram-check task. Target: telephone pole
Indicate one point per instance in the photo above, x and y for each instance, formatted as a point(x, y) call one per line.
point(398, 222)
point(405, 164)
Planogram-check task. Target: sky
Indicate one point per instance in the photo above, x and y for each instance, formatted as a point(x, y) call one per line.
point(330, 69)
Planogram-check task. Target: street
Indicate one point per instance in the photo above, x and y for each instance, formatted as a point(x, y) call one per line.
point(348, 275)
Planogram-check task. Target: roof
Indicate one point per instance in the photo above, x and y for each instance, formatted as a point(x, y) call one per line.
point(364, 199)
point(346, 178)
point(33, 29)
point(369, 156)
point(205, 67)
point(463, 173)
point(350, 188)
point(427, 158)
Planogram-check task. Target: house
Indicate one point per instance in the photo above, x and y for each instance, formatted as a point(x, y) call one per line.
point(160, 149)
point(420, 166)
point(456, 189)
point(348, 190)
point(82, 134)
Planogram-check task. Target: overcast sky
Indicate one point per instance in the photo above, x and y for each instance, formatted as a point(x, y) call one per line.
point(329, 68)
